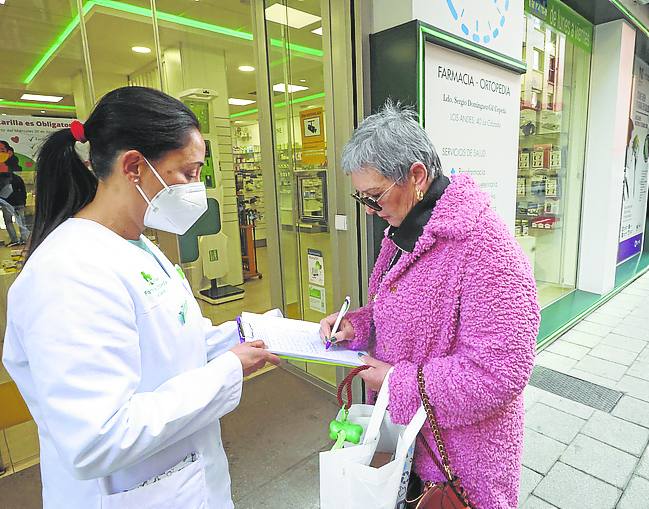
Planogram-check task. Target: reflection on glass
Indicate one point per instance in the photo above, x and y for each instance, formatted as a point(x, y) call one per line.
point(39, 58)
point(301, 132)
point(551, 156)
point(208, 63)
point(122, 45)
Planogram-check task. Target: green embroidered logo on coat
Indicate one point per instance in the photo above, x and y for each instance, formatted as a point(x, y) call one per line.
point(148, 278)
point(156, 286)
point(182, 314)
point(180, 271)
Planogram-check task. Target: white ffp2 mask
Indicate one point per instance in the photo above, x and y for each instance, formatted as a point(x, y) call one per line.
point(175, 208)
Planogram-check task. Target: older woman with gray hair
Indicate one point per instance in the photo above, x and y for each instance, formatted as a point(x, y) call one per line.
point(452, 308)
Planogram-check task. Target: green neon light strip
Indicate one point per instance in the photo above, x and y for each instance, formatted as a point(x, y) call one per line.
point(40, 106)
point(312, 97)
point(59, 40)
point(624, 10)
point(244, 113)
point(474, 48)
point(171, 18)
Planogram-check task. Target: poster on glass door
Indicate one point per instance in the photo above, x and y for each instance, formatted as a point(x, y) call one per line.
point(472, 118)
point(25, 135)
point(636, 167)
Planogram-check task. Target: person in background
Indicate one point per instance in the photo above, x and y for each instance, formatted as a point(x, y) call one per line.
point(8, 158)
point(451, 296)
point(13, 192)
point(124, 377)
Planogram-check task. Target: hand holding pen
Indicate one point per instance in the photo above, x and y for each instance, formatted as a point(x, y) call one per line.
point(336, 328)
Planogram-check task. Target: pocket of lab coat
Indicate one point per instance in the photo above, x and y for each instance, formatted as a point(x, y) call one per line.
point(184, 488)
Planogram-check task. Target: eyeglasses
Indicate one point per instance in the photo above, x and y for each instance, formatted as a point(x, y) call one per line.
point(372, 203)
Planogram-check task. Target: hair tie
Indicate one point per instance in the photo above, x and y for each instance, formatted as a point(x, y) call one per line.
point(78, 131)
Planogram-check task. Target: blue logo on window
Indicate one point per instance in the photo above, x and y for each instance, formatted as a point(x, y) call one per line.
point(483, 24)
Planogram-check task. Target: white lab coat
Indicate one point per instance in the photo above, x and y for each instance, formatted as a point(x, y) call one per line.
point(123, 375)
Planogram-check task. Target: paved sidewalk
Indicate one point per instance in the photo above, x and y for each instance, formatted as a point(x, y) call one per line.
point(579, 457)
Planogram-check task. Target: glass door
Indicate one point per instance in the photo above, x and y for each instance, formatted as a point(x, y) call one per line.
point(296, 64)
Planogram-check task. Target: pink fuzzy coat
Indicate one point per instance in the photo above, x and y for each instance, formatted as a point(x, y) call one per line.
point(462, 305)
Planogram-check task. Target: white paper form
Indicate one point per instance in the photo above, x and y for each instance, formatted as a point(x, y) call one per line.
point(295, 339)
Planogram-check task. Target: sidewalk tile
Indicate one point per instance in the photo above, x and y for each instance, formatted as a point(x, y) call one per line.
point(596, 379)
point(568, 349)
point(601, 367)
point(628, 300)
point(529, 481)
point(540, 452)
point(643, 466)
point(594, 328)
point(554, 361)
point(613, 354)
point(553, 423)
point(536, 503)
point(631, 331)
point(581, 338)
point(634, 387)
point(636, 495)
point(568, 488)
point(639, 369)
point(600, 460)
point(640, 320)
point(625, 343)
point(644, 355)
point(636, 290)
point(531, 395)
point(567, 405)
point(633, 410)
point(620, 310)
point(617, 432)
point(603, 318)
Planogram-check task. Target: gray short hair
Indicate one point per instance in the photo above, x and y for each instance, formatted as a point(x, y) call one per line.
point(390, 141)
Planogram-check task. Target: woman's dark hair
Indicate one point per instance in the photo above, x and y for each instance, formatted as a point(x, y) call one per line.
point(128, 118)
point(12, 163)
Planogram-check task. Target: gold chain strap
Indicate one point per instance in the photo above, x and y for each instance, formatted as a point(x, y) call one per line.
point(446, 464)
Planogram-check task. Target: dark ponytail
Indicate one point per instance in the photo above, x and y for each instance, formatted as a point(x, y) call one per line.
point(128, 118)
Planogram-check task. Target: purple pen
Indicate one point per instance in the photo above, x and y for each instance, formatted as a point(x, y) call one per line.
point(242, 337)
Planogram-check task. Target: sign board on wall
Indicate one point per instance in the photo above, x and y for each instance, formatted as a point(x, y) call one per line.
point(555, 13)
point(313, 137)
point(315, 260)
point(636, 168)
point(26, 134)
point(494, 24)
point(472, 116)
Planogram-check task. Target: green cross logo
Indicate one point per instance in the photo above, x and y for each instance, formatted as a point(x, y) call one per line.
point(148, 278)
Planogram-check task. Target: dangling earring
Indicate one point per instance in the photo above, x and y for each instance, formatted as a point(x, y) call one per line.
point(420, 194)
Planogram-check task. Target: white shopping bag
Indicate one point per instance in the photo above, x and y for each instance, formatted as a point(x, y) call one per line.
point(347, 481)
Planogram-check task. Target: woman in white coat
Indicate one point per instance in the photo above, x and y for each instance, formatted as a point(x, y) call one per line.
point(124, 377)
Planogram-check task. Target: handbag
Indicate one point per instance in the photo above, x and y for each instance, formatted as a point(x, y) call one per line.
point(449, 494)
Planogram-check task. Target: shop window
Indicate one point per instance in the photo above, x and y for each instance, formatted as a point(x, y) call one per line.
point(39, 95)
point(551, 158)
